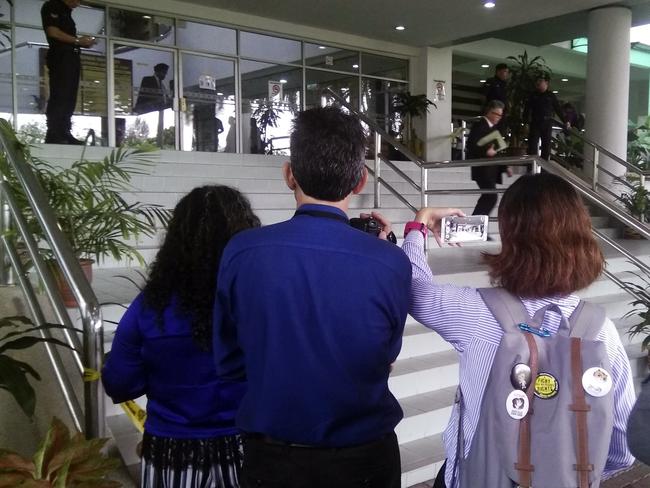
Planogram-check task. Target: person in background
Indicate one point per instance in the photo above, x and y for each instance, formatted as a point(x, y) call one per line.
point(486, 177)
point(163, 349)
point(311, 312)
point(540, 108)
point(548, 253)
point(496, 88)
point(154, 95)
point(64, 67)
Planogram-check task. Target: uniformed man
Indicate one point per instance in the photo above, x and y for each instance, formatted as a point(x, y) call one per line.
point(540, 108)
point(64, 66)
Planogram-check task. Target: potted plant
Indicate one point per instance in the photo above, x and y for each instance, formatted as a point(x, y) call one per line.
point(637, 203)
point(641, 309)
point(523, 73)
point(61, 461)
point(410, 107)
point(266, 116)
point(638, 144)
point(87, 200)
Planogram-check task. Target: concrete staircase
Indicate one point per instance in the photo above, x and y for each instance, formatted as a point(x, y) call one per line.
point(426, 374)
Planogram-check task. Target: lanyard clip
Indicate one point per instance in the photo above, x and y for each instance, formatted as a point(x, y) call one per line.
point(541, 332)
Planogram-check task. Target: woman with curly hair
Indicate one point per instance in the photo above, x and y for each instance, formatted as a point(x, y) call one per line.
point(162, 349)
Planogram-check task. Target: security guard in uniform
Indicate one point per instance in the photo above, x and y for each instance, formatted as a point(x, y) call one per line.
point(64, 65)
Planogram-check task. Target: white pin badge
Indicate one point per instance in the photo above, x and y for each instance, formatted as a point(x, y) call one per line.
point(597, 382)
point(517, 404)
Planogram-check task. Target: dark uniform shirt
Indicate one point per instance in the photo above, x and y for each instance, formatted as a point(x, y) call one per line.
point(541, 107)
point(55, 13)
point(495, 89)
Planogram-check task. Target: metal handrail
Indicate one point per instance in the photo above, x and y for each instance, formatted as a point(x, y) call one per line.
point(89, 308)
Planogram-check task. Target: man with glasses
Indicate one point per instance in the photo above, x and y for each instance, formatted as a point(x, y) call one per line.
point(481, 142)
point(64, 67)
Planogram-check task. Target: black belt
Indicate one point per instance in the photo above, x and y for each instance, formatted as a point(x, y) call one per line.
point(277, 442)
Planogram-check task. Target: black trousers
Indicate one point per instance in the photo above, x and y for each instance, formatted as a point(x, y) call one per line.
point(486, 201)
point(440, 479)
point(64, 66)
point(273, 465)
point(540, 130)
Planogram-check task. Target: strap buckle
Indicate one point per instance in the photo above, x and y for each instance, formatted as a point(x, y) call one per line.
point(540, 332)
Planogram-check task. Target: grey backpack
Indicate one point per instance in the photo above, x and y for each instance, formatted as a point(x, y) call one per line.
point(558, 436)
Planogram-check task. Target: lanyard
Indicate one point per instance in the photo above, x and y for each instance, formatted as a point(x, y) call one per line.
point(323, 214)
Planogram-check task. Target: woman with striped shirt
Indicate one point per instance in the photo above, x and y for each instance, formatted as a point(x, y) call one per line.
point(548, 253)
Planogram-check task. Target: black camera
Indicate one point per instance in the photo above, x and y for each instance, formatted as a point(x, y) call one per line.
point(371, 226)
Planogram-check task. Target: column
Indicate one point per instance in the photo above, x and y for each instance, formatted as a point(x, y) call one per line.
point(432, 66)
point(608, 84)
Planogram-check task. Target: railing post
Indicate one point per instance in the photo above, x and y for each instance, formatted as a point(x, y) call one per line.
point(6, 271)
point(377, 185)
point(424, 198)
point(536, 168)
point(594, 177)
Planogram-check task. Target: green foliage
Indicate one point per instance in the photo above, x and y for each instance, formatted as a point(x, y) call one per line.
point(641, 307)
point(87, 200)
point(523, 73)
point(266, 116)
point(637, 202)
point(412, 106)
point(62, 461)
point(638, 144)
point(13, 373)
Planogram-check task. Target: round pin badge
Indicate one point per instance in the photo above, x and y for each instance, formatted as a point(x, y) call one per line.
point(517, 404)
point(546, 386)
point(520, 376)
point(597, 382)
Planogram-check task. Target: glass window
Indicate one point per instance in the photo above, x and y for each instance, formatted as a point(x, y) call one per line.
point(205, 37)
point(6, 100)
point(28, 11)
point(320, 56)
point(142, 26)
point(271, 96)
point(89, 20)
point(269, 48)
point(5, 11)
point(384, 66)
point(31, 80)
point(378, 101)
point(92, 101)
point(344, 85)
point(144, 94)
point(209, 120)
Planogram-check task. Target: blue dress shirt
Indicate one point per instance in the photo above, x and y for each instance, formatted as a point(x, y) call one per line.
point(311, 311)
point(185, 398)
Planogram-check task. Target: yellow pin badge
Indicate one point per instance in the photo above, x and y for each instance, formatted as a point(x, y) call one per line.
point(546, 386)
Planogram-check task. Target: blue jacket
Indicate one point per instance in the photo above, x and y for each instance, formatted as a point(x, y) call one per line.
point(185, 399)
point(312, 312)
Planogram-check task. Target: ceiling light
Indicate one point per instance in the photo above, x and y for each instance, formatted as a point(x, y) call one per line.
point(321, 47)
point(219, 94)
point(355, 66)
point(485, 66)
point(489, 4)
point(146, 16)
point(565, 79)
point(400, 28)
point(283, 80)
point(555, 91)
point(482, 81)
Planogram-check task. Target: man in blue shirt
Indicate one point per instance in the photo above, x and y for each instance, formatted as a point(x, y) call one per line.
point(311, 313)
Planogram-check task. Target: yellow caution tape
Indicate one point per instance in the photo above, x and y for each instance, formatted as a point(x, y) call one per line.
point(91, 375)
point(136, 413)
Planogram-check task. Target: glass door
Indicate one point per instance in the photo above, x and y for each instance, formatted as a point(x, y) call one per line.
point(144, 95)
point(208, 116)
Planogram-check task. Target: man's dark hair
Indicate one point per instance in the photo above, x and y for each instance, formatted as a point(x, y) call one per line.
point(327, 152)
point(161, 67)
point(500, 66)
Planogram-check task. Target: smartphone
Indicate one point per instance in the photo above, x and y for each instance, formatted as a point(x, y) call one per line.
point(456, 229)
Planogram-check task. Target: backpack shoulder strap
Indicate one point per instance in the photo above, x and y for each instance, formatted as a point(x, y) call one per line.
point(506, 308)
point(587, 320)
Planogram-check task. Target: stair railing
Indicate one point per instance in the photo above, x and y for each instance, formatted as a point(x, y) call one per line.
point(88, 352)
point(589, 192)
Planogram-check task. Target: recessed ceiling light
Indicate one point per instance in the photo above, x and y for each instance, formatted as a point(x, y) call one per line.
point(283, 80)
point(565, 79)
point(146, 16)
point(400, 28)
point(355, 66)
point(321, 47)
point(555, 91)
point(219, 94)
point(489, 4)
point(485, 66)
point(482, 81)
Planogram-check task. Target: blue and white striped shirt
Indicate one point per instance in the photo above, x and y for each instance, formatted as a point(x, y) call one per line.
point(461, 317)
